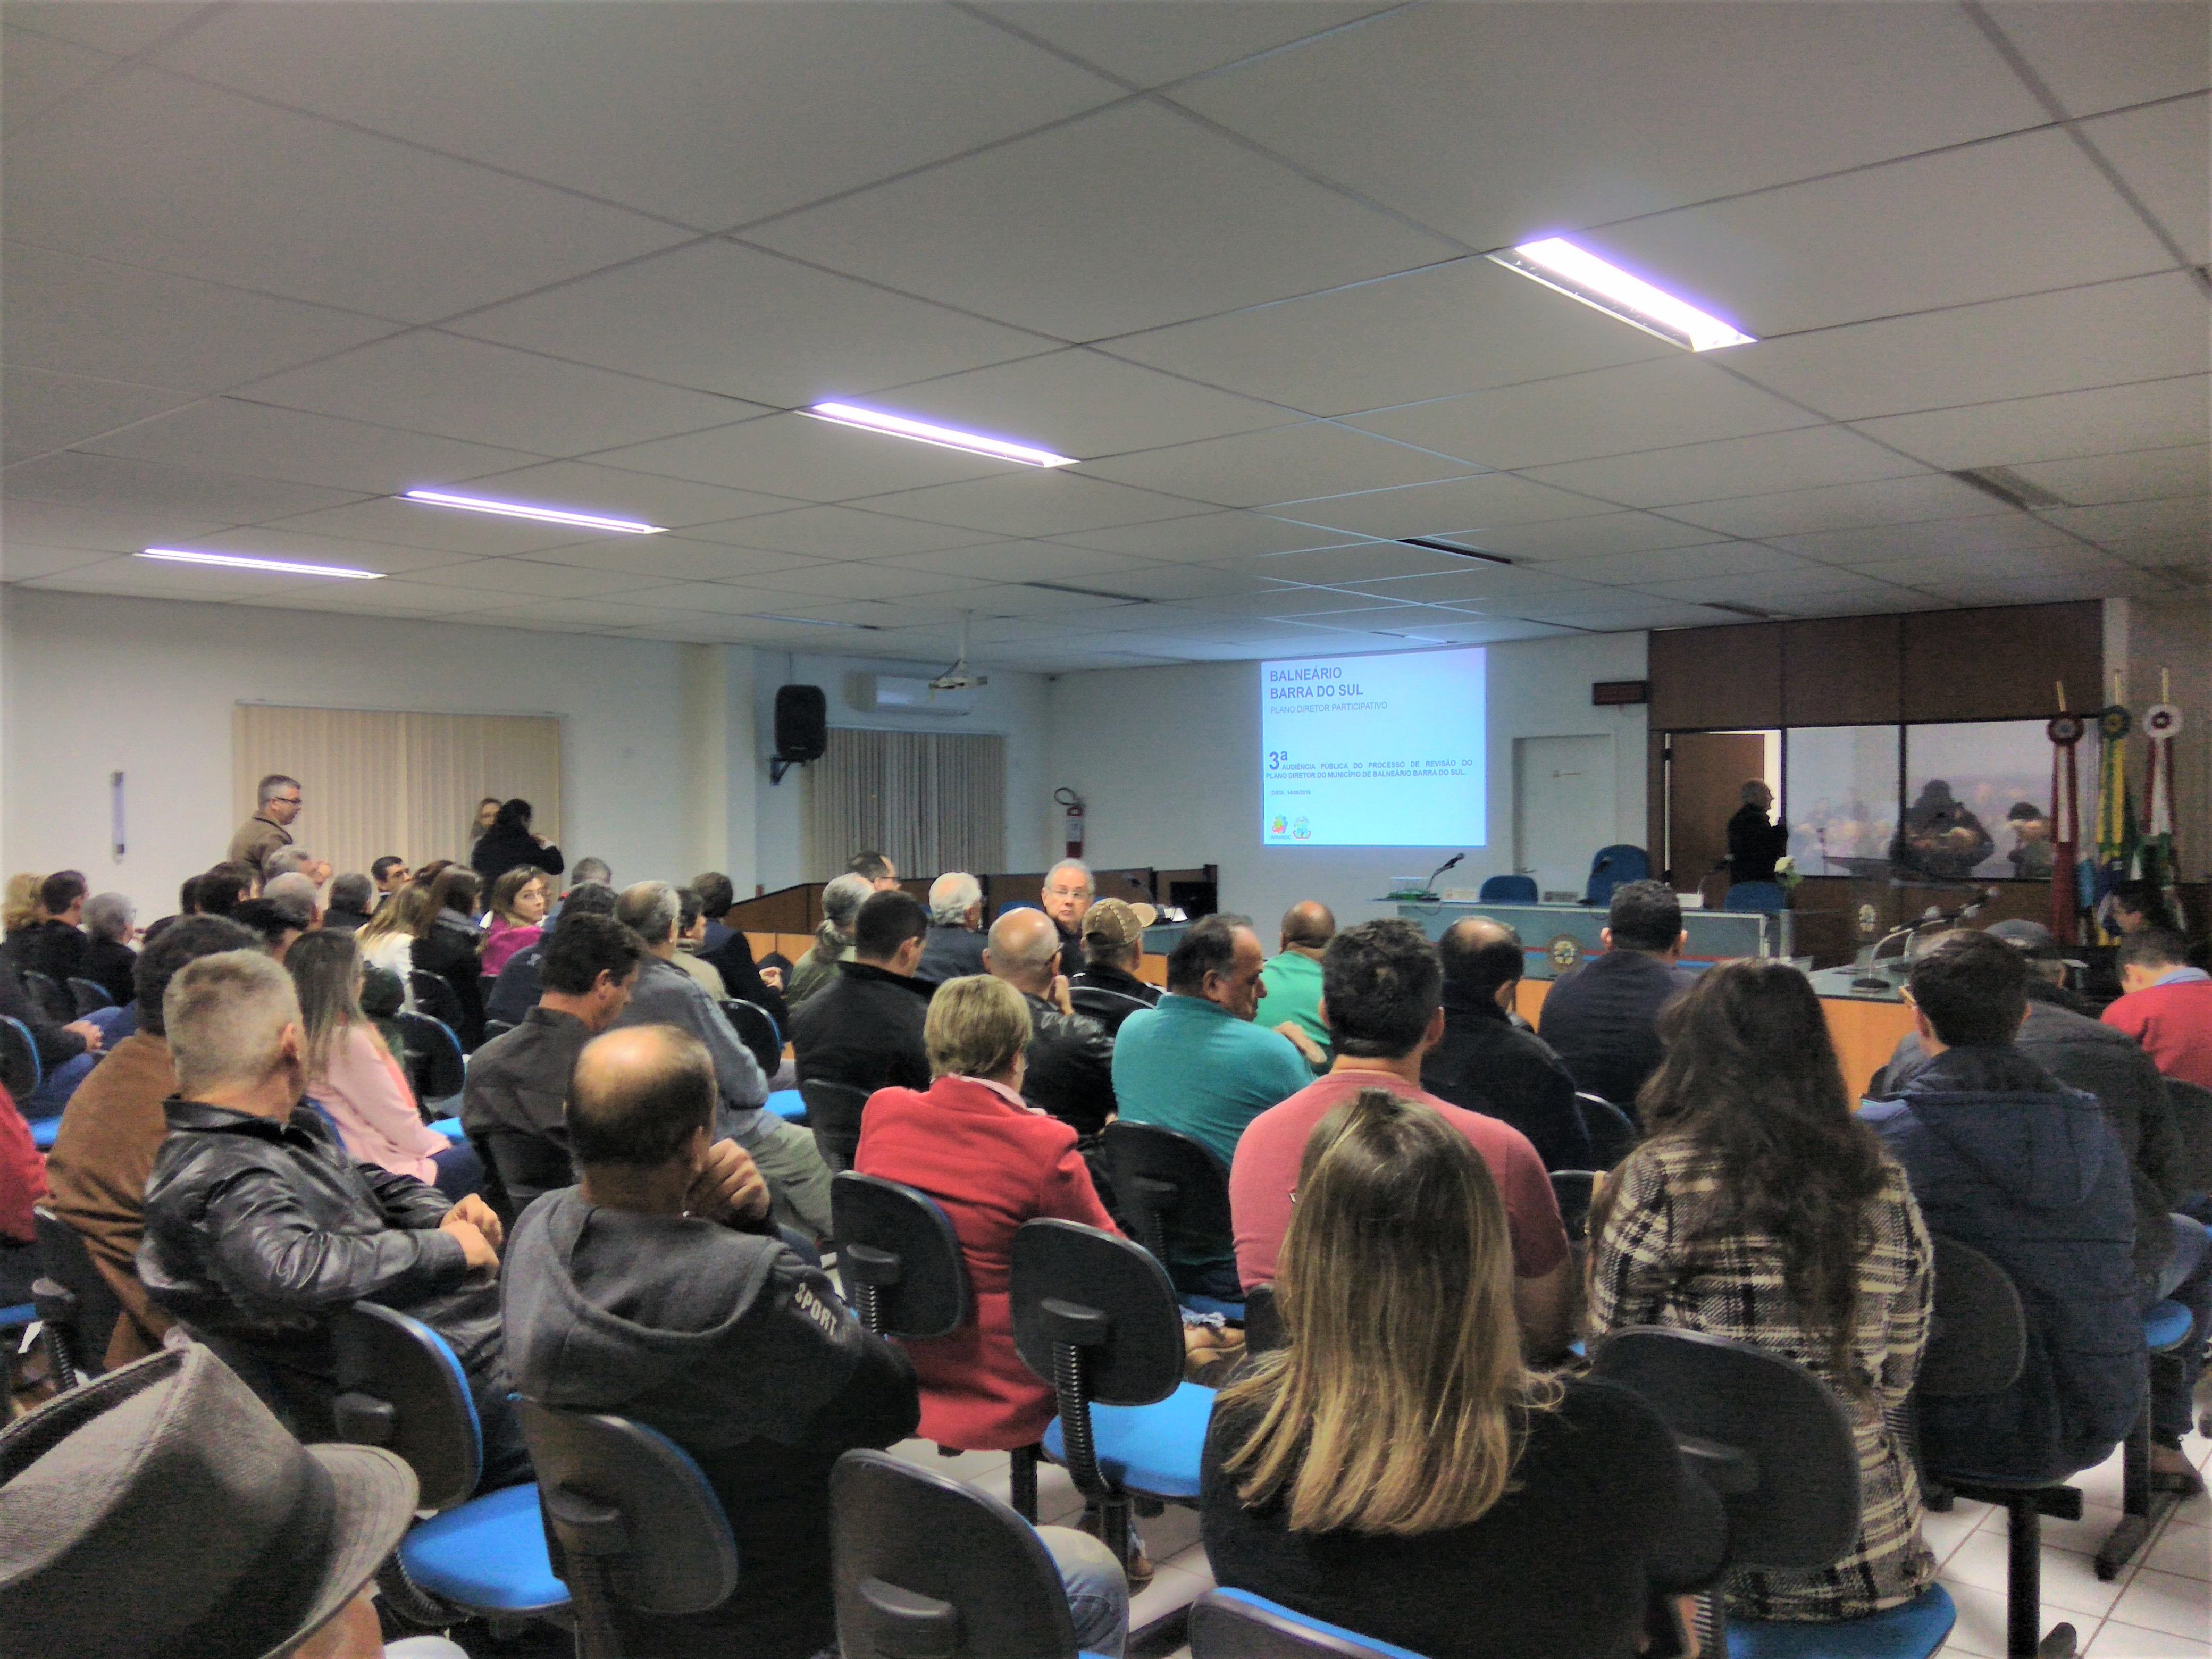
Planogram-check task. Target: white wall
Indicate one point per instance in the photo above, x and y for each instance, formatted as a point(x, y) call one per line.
point(1167, 761)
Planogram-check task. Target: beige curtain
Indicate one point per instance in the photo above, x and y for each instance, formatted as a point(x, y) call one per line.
point(379, 782)
point(932, 801)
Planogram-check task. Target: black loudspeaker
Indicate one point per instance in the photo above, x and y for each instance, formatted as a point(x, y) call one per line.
point(802, 722)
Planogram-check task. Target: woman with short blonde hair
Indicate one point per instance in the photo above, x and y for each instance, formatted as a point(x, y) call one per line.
point(977, 1027)
point(1395, 1468)
point(21, 909)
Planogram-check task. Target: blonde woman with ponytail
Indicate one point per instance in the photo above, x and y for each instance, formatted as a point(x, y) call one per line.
point(1395, 1468)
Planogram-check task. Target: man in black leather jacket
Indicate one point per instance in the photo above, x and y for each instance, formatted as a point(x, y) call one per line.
point(259, 1224)
point(1070, 1072)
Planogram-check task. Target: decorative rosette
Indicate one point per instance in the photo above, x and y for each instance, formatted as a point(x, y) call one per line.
point(2065, 730)
point(2115, 723)
point(2162, 720)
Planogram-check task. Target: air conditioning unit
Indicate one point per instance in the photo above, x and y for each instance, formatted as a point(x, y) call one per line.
point(901, 694)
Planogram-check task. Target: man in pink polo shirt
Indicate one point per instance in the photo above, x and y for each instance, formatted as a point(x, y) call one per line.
point(1382, 1001)
point(2168, 1005)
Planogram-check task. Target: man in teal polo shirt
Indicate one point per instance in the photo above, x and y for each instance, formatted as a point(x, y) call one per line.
point(1290, 984)
point(1197, 1064)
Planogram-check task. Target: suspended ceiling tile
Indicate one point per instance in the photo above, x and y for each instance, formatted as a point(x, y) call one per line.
point(151, 170)
point(713, 114)
point(2133, 475)
point(279, 542)
point(1029, 501)
point(149, 579)
point(1677, 564)
point(1992, 537)
point(858, 580)
point(1150, 44)
point(1945, 229)
point(1024, 561)
point(1594, 536)
point(1608, 411)
point(2140, 328)
point(1254, 468)
point(1207, 536)
point(120, 27)
point(1461, 508)
point(526, 579)
point(1496, 123)
point(47, 411)
point(2164, 154)
point(21, 560)
point(71, 478)
point(1778, 590)
point(673, 558)
point(1480, 588)
point(745, 323)
point(797, 455)
point(38, 72)
point(1729, 467)
point(1129, 218)
point(411, 524)
point(1451, 328)
point(2183, 520)
point(839, 533)
point(1365, 562)
point(2117, 52)
point(100, 529)
point(616, 492)
point(1838, 506)
point(2064, 426)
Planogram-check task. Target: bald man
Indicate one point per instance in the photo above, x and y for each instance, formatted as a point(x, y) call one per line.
point(1487, 1064)
point(656, 1289)
point(1290, 984)
point(1070, 1072)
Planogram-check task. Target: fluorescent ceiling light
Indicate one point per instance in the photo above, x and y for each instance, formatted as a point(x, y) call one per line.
point(1581, 275)
point(543, 514)
point(945, 437)
point(816, 621)
point(275, 567)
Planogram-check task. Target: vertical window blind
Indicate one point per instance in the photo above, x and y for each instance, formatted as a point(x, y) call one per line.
point(932, 801)
point(378, 782)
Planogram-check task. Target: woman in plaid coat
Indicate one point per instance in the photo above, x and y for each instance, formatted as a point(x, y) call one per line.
point(1759, 1208)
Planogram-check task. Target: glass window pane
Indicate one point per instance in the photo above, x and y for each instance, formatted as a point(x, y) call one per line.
point(1840, 798)
point(1977, 800)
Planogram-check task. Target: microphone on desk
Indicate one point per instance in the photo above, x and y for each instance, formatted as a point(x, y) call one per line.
point(1430, 885)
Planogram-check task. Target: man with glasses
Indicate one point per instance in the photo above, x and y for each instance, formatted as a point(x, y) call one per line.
point(270, 828)
point(1068, 892)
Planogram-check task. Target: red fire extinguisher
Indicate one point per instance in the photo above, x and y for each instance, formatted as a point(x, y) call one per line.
point(1074, 803)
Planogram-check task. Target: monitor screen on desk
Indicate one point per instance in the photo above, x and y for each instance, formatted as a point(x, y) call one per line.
point(1373, 752)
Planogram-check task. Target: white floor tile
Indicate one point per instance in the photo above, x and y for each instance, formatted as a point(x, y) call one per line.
point(2182, 1548)
point(2101, 1486)
point(1980, 1630)
point(1170, 1588)
point(2070, 1583)
point(2119, 1641)
point(1170, 1534)
point(2167, 1601)
point(1946, 1531)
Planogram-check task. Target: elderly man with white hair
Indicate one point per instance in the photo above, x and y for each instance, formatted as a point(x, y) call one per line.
point(1067, 895)
point(954, 946)
point(294, 861)
point(798, 1180)
point(109, 961)
point(296, 895)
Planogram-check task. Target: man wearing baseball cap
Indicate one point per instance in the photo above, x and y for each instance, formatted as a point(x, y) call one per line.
point(1107, 989)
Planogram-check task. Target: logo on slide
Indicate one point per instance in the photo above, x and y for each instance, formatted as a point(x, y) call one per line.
point(1565, 951)
point(1280, 826)
point(1301, 830)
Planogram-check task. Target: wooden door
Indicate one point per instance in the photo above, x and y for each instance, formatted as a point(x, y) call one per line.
point(1704, 786)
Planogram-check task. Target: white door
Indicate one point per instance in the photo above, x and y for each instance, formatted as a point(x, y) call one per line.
point(1562, 809)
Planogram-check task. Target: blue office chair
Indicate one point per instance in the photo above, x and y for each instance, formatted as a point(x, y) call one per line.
point(1509, 890)
point(20, 1071)
point(435, 1067)
point(1174, 1191)
point(88, 994)
point(926, 1568)
point(755, 1028)
point(901, 1261)
point(1610, 1131)
point(834, 1112)
point(76, 1308)
point(1769, 897)
point(634, 1523)
point(1235, 1624)
point(1612, 866)
point(1095, 1316)
point(46, 991)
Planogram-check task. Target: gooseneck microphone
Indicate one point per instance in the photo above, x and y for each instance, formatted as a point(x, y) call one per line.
point(1430, 885)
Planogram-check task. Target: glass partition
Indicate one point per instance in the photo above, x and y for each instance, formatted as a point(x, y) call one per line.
point(1977, 801)
point(1839, 798)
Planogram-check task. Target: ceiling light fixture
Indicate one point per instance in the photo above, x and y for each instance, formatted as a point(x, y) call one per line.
point(542, 515)
point(1435, 545)
point(945, 437)
point(1581, 275)
point(816, 621)
point(1088, 592)
point(274, 567)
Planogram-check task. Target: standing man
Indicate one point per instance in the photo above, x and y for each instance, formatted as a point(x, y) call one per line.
point(1068, 891)
point(1290, 984)
point(281, 801)
point(1755, 845)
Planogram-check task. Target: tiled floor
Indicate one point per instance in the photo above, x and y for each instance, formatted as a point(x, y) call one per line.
point(2161, 1605)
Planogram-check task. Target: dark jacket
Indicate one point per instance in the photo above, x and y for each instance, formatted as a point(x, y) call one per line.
point(1488, 1064)
point(56, 1046)
point(520, 984)
point(1109, 996)
point(666, 995)
point(1755, 845)
point(518, 1085)
point(1070, 1072)
point(113, 966)
point(732, 957)
point(340, 920)
point(2084, 1054)
point(1602, 1020)
point(950, 953)
point(1072, 961)
point(257, 1230)
point(727, 1343)
point(863, 1029)
point(453, 949)
point(52, 948)
point(2004, 1157)
point(500, 848)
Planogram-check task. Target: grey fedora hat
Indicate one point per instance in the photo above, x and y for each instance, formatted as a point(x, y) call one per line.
point(161, 1510)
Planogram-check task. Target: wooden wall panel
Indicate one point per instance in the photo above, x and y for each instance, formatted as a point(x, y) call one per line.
point(1717, 678)
point(2000, 663)
point(1841, 670)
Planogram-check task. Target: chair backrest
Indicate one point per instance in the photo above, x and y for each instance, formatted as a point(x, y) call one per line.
point(93, 1309)
point(434, 1064)
point(1978, 1335)
point(1612, 865)
point(1765, 1433)
point(1172, 1187)
point(496, 1028)
point(926, 1568)
point(434, 995)
point(1611, 1132)
point(755, 1029)
point(1085, 1288)
point(898, 1253)
point(1769, 897)
point(87, 994)
point(20, 1073)
point(833, 1112)
point(1573, 1188)
point(528, 1166)
point(400, 1386)
point(2192, 1117)
point(46, 990)
point(1263, 1320)
point(630, 1499)
point(1234, 1624)
point(1508, 889)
